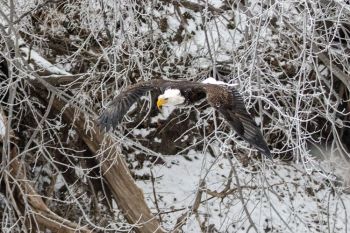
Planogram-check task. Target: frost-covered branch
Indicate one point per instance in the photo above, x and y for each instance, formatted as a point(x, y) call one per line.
point(62, 62)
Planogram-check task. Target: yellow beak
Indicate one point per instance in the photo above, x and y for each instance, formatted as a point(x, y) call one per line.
point(161, 102)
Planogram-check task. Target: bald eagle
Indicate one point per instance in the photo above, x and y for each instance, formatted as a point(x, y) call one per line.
point(222, 97)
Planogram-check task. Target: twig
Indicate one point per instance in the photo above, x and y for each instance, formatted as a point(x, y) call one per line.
point(35, 9)
point(241, 197)
point(28, 194)
point(109, 35)
point(182, 219)
point(155, 196)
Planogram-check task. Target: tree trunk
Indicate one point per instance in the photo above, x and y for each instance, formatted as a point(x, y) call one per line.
point(114, 169)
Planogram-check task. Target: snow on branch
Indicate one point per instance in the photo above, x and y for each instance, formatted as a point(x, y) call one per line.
point(42, 62)
point(2, 126)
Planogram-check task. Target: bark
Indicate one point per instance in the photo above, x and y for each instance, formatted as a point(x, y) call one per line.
point(27, 195)
point(129, 197)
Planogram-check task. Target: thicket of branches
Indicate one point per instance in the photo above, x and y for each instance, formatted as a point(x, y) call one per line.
point(63, 61)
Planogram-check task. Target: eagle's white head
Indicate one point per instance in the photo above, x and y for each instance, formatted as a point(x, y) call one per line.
point(171, 97)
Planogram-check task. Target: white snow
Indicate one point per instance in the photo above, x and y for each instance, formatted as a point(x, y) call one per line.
point(142, 132)
point(211, 80)
point(287, 201)
point(79, 171)
point(158, 140)
point(185, 138)
point(60, 182)
point(42, 62)
point(2, 127)
point(37, 58)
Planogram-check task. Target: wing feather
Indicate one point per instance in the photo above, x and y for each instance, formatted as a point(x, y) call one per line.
point(119, 106)
point(229, 103)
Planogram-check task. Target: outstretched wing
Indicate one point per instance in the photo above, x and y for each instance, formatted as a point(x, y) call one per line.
point(119, 106)
point(229, 103)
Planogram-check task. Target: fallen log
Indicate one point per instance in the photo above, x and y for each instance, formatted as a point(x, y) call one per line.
point(129, 197)
point(17, 180)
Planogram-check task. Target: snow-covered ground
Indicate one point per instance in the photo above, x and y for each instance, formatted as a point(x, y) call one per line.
point(278, 196)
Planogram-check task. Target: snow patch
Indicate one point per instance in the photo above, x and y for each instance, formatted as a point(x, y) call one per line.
point(142, 132)
point(60, 182)
point(42, 62)
point(288, 193)
point(217, 82)
point(157, 140)
point(2, 127)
